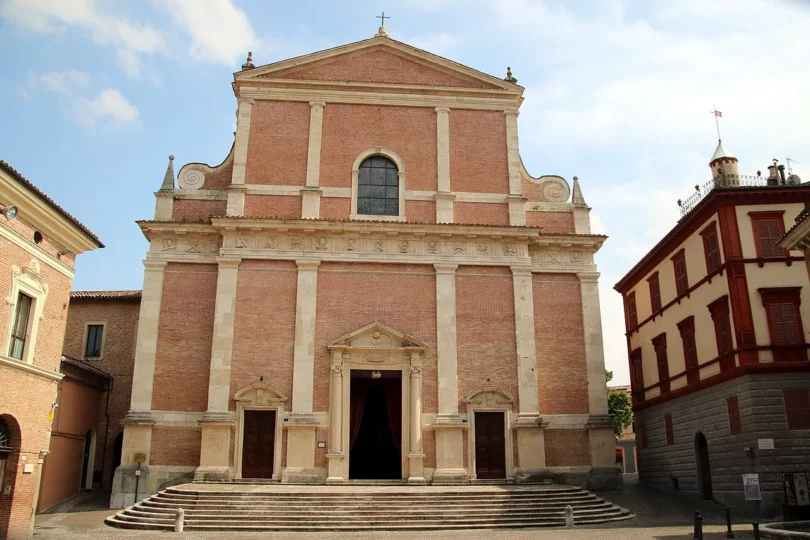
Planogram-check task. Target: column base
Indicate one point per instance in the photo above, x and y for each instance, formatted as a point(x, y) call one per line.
point(335, 474)
point(213, 474)
point(301, 450)
point(300, 476)
point(601, 441)
point(531, 448)
point(450, 450)
point(450, 476)
point(415, 468)
point(215, 443)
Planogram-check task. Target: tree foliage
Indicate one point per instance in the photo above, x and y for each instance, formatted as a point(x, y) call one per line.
point(619, 406)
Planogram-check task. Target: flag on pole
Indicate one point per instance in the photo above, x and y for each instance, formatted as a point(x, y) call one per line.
point(718, 113)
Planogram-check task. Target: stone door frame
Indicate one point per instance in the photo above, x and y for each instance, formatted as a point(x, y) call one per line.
point(258, 397)
point(490, 399)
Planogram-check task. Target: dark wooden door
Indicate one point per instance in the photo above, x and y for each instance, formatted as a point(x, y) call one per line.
point(258, 444)
point(704, 468)
point(490, 445)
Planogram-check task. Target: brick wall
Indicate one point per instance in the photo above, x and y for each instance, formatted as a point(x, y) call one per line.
point(485, 330)
point(348, 130)
point(48, 244)
point(184, 338)
point(377, 66)
point(277, 206)
point(420, 211)
point(118, 357)
point(196, 211)
point(481, 213)
point(478, 161)
point(335, 208)
point(264, 327)
point(175, 446)
point(566, 447)
point(560, 344)
point(279, 141)
point(353, 295)
point(552, 222)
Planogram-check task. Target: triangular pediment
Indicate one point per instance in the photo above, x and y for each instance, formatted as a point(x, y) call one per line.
point(379, 60)
point(376, 335)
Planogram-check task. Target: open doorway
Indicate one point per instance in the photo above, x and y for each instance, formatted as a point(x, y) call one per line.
point(375, 429)
point(704, 472)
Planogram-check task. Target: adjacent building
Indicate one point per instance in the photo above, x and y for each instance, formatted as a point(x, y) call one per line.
point(716, 316)
point(369, 286)
point(38, 247)
point(626, 443)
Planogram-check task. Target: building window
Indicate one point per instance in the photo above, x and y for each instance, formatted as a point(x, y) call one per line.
point(722, 332)
point(687, 329)
point(655, 293)
point(19, 331)
point(668, 427)
point(660, 344)
point(769, 227)
point(711, 248)
point(632, 312)
point(637, 376)
point(797, 407)
point(681, 281)
point(378, 187)
point(785, 322)
point(734, 423)
point(95, 336)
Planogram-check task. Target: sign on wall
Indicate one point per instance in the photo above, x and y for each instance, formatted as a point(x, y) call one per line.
point(751, 487)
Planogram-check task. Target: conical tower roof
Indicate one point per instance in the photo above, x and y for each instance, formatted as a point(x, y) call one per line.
point(721, 153)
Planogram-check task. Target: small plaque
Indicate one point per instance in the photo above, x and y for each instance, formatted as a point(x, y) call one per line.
point(321, 445)
point(140, 457)
point(765, 444)
point(800, 483)
point(28, 468)
point(137, 472)
point(751, 487)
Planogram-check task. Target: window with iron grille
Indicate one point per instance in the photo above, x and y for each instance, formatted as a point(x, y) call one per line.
point(19, 331)
point(711, 248)
point(769, 227)
point(681, 280)
point(95, 334)
point(655, 293)
point(734, 423)
point(378, 187)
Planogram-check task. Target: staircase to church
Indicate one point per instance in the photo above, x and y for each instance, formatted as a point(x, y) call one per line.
point(229, 507)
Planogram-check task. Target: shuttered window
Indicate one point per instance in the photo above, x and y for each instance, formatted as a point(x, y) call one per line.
point(722, 332)
point(711, 248)
point(660, 344)
point(637, 374)
point(687, 330)
point(655, 293)
point(784, 322)
point(668, 428)
point(681, 280)
point(769, 227)
point(797, 407)
point(734, 423)
point(632, 312)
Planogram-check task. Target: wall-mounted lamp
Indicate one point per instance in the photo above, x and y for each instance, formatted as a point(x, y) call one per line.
point(376, 375)
point(9, 211)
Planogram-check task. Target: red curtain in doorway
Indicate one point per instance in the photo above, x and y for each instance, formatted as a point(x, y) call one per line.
point(357, 406)
point(393, 402)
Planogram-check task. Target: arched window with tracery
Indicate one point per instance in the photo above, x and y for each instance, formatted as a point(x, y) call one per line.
point(378, 187)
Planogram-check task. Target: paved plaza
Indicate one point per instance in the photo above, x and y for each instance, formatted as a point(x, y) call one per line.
point(659, 515)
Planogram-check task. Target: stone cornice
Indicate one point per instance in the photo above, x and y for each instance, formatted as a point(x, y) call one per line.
point(20, 241)
point(31, 369)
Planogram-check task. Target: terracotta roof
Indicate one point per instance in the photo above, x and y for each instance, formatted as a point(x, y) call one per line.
point(801, 218)
point(105, 295)
point(20, 178)
point(85, 365)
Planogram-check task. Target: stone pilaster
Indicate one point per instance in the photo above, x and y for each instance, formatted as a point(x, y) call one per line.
point(217, 423)
point(448, 427)
point(517, 206)
point(415, 454)
point(335, 454)
point(301, 423)
point(236, 200)
point(444, 197)
point(164, 205)
point(241, 142)
point(311, 203)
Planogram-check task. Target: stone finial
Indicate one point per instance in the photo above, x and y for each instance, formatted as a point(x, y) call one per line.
point(577, 198)
point(168, 178)
point(509, 77)
point(382, 32)
point(249, 62)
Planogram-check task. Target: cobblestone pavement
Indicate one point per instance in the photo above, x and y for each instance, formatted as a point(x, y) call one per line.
point(660, 516)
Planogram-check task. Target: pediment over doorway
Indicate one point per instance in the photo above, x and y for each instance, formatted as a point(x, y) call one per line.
point(376, 336)
point(260, 394)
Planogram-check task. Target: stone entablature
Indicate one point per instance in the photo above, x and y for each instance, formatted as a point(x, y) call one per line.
point(371, 242)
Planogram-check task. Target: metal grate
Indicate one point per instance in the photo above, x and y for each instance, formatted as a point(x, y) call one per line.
point(719, 181)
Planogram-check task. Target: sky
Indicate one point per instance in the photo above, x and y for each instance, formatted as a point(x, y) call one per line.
point(95, 94)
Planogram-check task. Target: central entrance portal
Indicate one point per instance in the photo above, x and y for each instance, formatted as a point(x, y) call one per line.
point(375, 428)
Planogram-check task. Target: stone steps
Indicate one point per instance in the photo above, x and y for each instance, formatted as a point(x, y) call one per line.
point(278, 508)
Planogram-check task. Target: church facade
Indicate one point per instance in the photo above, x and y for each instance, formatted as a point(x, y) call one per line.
point(369, 286)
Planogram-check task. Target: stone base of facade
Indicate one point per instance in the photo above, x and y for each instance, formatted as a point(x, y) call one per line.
point(450, 476)
point(533, 476)
point(151, 480)
point(213, 474)
point(301, 476)
point(605, 479)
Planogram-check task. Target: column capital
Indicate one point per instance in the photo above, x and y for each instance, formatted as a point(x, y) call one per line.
point(229, 262)
point(588, 277)
point(307, 264)
point(443, 268)
point(245, 100)
point(525, 271)
point(320, 104)
point(151, 265)
point(511, 112)
point(442, 109)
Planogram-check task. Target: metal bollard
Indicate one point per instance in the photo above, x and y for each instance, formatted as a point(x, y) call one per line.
point(698, 532)
point(569, 516)
point(729, 532)
point(178, 520)
point(756, 531)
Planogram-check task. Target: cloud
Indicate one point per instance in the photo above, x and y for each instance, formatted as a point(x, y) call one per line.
point(65, 82)
point(130, 40)
point(220, 32)
point(440, 43)
point(108, 109)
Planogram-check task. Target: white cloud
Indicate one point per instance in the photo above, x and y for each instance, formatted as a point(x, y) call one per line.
point(65, 82)
point(440, 43)
point(220, 32)
point(108, 109)
point(130, 40)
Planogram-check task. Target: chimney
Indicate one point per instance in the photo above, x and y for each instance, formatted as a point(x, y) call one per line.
point(773, 175)
point(781, 169)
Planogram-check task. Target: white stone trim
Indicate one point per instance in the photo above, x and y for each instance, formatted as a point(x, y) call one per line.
point(13, 363)
point(513, 152)
point(200, 194)
point(401, 174)
point(594, 351)
point(528, 400)
point(314, 145)
point(259, 397)
point(87, 326)
point(304, 352)
point(410, 195)
point(35, 251)
point(241, 139)
point(29, 281)
point(446, 340)
point(177, 419)
point(490, 399)
point(219, 379)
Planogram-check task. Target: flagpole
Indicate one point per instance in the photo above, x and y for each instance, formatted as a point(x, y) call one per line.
point(717, 124)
